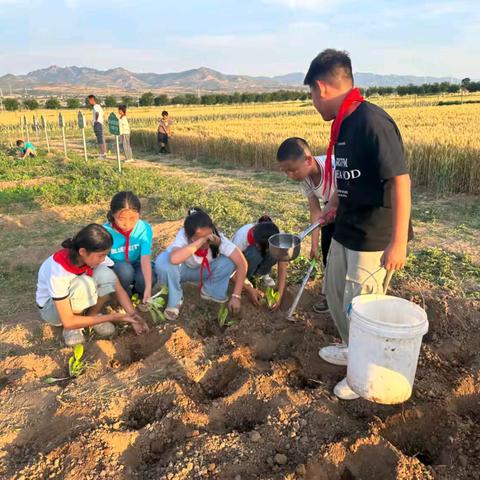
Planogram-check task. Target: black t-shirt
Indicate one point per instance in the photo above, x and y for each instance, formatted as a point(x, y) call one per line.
point(369, 152)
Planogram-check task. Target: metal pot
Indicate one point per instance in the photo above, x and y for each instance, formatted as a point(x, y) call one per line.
point(285, 247)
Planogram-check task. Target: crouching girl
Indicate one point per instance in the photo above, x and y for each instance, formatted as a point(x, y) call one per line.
point(201, 254)
point(75, 283)
point(132, 245)
point(252, 240)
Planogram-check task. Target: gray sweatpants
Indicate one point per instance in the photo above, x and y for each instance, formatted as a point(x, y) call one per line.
point(348, 274)
point(127, 149)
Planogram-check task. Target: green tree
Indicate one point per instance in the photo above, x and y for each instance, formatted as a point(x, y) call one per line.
point(465, 82)
point(129, 101)
point(110, 101)
point(160, 100)
point(73, 103)
point(53, 103)
point(147, 99)
point(11, 104)
point(31, 103)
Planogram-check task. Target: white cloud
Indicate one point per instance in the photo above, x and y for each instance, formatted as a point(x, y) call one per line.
point(302, 4)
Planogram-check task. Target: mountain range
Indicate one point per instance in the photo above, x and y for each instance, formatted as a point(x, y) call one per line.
point(70, 79)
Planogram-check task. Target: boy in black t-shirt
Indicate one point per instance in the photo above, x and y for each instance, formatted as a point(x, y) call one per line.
point(372, 198)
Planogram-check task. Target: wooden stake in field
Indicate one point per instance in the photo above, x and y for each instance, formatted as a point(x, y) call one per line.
point(35, 127)
point(43, 122)
point(25, 124)
point(81, 126)
point(114, 129)
point(61, 124)
point(21, 128)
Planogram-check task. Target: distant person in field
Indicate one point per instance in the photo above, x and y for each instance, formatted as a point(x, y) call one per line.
point(298, 163)
point(75, 283)
point(372, 198)
point(98, 125)
point(132, 245)
point(125, 133)
point(164, 132)
point(26, 149)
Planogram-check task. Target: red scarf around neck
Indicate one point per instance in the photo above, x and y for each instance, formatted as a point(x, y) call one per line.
point(126, 235)
point(251, 241)
point(62, 257)
point(205, 263)
point(353, 96)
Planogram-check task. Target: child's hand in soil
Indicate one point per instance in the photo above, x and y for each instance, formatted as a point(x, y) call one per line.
point(255, 296)
point(276, 305)
point(139, 326)
point(234, 305)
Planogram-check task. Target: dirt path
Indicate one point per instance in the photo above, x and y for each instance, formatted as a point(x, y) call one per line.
point(191, 400)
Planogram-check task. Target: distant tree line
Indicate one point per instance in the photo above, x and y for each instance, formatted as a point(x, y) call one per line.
point(149, 99)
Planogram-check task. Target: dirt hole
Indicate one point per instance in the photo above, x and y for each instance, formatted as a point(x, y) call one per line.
point(132, 349)
point(149, 409)
point(244, 415)
point(468, 406)
point(423, 435)
point(222, 379)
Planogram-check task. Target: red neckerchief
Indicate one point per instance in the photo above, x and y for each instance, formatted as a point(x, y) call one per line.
point(62, 257)
point(126, 235)
point(353, 96)
point(251, 241)
point(205, 263)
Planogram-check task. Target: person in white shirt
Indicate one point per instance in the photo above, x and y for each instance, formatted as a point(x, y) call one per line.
point(75, 283)
point(97, 122)
point(125, 133)
point(252, 240)
point(297, 162)
point(200, 254)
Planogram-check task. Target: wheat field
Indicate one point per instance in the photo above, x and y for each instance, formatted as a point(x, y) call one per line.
point(442, 142)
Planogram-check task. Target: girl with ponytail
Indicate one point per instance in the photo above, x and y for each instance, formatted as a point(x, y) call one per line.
point(252, 240)
point(203, 255)
point(75, 283)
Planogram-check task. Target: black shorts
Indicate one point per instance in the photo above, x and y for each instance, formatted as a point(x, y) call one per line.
point(162, 137)
point(98, 130)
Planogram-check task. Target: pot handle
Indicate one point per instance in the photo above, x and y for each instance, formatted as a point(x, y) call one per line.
point(309, 230)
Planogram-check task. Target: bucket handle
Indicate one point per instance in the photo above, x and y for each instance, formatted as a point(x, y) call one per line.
point(386, 284)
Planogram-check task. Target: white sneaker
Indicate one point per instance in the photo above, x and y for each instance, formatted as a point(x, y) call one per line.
point(206, 296)
point(344, 392)
point(105, 329)
point(267, 281)
point(73, 337)
point(335, 354)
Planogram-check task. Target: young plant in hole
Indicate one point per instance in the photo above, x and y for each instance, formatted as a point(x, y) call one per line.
point(156, 305)
point(76, 366)
point(223, 317)
point(271, 296)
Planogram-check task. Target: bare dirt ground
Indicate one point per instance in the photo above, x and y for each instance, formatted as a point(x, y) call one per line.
point(191, 400)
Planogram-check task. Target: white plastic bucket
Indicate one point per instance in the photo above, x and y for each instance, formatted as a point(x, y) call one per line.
point(384, 343)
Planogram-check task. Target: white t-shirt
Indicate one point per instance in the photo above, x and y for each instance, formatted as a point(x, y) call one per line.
point(97, 109)
point(54, 281)
point(124, 126)
point(226, 248)
point(240, 238)
point(311, 190)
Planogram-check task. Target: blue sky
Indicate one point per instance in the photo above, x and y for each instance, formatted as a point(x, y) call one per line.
point(255, 37)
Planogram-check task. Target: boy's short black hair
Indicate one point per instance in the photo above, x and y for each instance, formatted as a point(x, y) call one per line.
point(293, 148)
point(19, 142)
point(332, 65)
point(92, 97)
point(164, 113)
point(123, 108)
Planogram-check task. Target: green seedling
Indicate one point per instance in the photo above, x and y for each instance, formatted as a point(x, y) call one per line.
point(135, 300)
point(224, 320)
point(156, 305)
point(76, 365)
point(271, 296)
